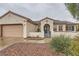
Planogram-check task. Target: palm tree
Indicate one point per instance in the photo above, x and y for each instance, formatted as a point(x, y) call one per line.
point(74, 9)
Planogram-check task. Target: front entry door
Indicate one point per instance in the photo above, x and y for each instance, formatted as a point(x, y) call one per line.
point(47, 32)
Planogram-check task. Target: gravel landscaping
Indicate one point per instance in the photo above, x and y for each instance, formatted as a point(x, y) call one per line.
point(27, 49)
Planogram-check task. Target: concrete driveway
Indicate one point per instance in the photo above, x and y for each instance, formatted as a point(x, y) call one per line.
point(5, 42)
point(9, 41)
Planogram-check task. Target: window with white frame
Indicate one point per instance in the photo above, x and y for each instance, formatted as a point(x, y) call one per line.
point(70, 27)
point(60, 27)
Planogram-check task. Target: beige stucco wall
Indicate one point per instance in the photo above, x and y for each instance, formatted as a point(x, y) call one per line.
point(35, 34)
point(31, 27)
point(11, 19)
point(39, 34)
point(70, 34)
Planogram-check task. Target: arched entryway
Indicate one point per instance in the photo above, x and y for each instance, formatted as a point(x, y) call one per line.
point(47, 32)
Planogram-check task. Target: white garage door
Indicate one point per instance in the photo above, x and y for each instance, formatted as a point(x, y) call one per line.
point(12, 31)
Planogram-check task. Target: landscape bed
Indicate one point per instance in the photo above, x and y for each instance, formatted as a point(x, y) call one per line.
point(28, 49)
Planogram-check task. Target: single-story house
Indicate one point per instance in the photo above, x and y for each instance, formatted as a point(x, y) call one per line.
point(15, 25)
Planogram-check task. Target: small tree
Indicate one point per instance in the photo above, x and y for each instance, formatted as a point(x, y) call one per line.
point(61, 44)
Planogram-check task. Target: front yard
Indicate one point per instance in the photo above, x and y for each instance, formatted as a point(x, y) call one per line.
point(25, 47)
point(20, 46)
point(59, 45)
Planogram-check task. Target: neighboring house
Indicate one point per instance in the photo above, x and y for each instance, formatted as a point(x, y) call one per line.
point(15, 25)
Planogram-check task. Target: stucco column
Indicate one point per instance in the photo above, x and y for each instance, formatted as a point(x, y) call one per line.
point(42, 29)
point(51, 29)
point(25, 30)
point(64, 27)
point(74, 28)
point(57, 27)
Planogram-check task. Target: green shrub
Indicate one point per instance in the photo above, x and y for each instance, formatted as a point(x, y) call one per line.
point(74, 48)
point(66, 45)
point(61, 44)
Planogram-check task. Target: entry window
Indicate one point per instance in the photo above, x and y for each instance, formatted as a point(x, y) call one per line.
point(60, 28)
point(70, 27)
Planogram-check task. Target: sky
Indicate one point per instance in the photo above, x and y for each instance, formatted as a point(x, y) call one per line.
point(38, 11)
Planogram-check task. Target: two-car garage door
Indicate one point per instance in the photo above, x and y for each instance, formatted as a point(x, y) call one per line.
point(12, 31)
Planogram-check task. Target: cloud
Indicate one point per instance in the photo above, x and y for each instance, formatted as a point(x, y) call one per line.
point(37, 11)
